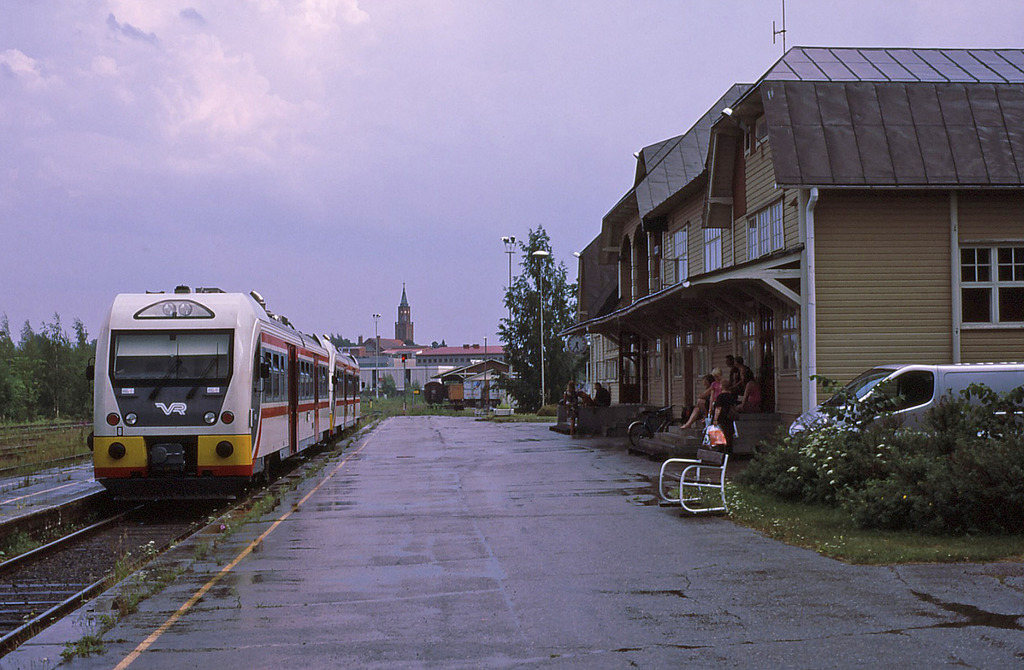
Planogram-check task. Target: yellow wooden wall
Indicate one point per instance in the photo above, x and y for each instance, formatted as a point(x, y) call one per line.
point(883, 281)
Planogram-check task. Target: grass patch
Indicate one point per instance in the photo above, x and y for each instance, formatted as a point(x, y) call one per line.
point(87, 645)
point(413, 405)
point(27, 448)
point(17, 543)
point(520, 418)
point(832, 532)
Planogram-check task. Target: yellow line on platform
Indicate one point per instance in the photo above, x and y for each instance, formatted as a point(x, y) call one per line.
point(155, 635)
point(38, 493)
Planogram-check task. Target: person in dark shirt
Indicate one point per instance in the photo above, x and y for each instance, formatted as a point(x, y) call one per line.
point(602, 396)
point(571, 400)
point(723, 415)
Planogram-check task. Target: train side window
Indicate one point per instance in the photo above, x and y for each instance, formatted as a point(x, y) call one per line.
point(275, 391)
point(273, 377)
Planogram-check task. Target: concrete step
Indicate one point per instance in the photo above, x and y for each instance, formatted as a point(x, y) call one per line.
point(658, 449)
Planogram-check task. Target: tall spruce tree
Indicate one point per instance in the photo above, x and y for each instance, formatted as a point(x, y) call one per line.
point(522, 333)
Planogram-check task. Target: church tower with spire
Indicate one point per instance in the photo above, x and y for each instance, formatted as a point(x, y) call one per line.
point(403, 327)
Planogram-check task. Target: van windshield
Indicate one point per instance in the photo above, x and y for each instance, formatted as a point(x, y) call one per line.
point(169, 358)
point(860, 386)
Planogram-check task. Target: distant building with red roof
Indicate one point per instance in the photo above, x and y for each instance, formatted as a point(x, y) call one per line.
point(467, 354)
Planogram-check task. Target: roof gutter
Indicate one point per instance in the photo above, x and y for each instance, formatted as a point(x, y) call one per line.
point(954, 257)
point(808, 307)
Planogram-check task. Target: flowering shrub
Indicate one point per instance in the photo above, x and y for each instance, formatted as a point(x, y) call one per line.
point(962, 472)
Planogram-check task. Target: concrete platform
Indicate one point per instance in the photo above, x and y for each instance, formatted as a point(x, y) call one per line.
point(446, 542)
point(26, 495)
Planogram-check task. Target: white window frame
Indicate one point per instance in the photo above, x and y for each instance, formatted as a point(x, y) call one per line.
point(756, 135)
point(995, 274)
point(789, 333)
point(765, 232)
point(676, 257)
point(748, 343)
point(712, 249)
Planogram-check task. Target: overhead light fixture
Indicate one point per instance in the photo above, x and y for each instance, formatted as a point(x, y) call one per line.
point(727, 111)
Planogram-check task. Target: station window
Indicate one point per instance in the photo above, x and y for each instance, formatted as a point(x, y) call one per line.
point(678, 352)
point(748, 343)
point(676, 256)
point(712, 249)
point(765, 232)
point(723, 332)
point(790, 341)
point(992, 284)
point(654, 359)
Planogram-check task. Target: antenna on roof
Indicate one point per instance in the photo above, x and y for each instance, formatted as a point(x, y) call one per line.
point(781, 31)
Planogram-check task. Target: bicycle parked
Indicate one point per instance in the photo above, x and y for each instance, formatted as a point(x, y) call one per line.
point(651, 421)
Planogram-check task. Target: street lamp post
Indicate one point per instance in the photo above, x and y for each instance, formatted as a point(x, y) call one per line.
point(376, 356)
point(510, 247)
point(540, 254)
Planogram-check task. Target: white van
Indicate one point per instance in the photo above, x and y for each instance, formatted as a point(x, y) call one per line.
point(919, 387)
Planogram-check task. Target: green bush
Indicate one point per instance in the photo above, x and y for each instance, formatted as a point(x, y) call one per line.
point(548, 410)
point(963, 472)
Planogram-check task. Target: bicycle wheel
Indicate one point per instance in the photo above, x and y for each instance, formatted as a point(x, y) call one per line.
point(639, 429)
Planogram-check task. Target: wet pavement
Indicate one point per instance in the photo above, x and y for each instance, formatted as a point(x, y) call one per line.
point(448, 542)
point(25, 495)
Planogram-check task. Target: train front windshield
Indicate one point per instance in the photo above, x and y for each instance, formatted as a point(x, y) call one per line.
point(169, 358)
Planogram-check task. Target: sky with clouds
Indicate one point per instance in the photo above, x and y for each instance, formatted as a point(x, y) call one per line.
point(323, 152)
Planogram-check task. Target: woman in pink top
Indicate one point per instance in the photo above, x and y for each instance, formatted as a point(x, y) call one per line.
point(751, 400)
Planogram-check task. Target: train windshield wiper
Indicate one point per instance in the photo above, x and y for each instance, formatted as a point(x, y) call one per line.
point(202, 379)
point(166, 378)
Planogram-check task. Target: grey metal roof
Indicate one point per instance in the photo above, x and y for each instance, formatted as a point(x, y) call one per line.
point(895, 133)
point(1003, 66)
point(896, 117)
point(672, 164)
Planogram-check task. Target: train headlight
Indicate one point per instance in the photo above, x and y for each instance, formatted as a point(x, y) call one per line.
point(116, 450)
point(225, 449)
point(168, 309)
point(227, 417)
point(113, 419)
point(185, 309)
point(210, 418)
point(131, 418)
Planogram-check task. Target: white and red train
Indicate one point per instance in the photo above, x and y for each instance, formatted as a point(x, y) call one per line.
point(198, 393)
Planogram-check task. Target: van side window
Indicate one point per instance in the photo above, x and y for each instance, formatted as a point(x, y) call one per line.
point(915, 387)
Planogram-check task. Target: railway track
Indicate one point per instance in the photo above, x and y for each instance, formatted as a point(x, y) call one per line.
point(41, 586)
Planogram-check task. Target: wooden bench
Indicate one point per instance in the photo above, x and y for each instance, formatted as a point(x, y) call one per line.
point(695, 475)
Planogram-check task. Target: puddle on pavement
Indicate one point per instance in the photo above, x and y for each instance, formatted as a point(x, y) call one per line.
point(973, 615)
point(666, 592)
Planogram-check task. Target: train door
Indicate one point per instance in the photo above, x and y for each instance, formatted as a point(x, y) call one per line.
point(293, 400)
point(258, 384)
point(346, 385)
point(316, 397)
point(341, 385)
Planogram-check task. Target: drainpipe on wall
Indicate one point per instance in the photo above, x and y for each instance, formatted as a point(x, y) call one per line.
point(808, 310)
point(954, 259)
